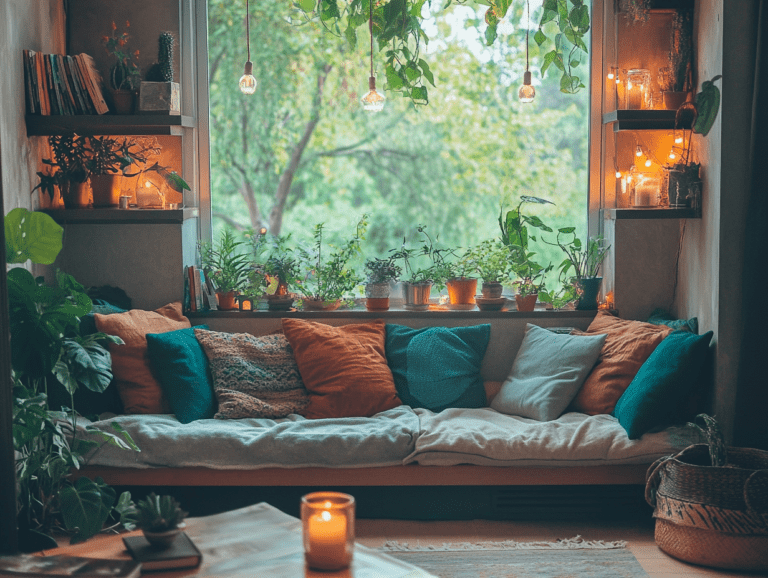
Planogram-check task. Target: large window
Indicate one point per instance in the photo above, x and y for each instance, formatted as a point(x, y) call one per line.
point(301, 151)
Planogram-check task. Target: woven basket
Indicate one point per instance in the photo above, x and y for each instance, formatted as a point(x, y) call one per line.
point(713, 516)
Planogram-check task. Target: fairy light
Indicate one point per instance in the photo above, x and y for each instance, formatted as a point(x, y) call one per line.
point(618, 174)
point(638, 151)
point(672, 156)
point(679, 140)
point(648, 163)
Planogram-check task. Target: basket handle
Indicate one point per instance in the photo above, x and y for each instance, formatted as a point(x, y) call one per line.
point(756, 489)
point(653, 479)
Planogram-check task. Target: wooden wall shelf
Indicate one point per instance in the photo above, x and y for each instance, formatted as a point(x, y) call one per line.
point(112, 124)
point(109, 216)
point(651, 213)
point(645, 120)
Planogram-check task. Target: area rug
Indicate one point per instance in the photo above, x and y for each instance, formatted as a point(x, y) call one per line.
point(571, 558)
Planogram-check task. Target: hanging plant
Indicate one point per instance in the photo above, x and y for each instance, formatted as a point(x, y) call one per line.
point(397, 28)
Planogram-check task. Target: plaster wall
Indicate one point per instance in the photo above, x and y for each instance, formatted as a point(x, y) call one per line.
point(35, 25)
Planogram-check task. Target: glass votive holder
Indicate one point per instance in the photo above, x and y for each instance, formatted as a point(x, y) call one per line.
point(328, 530)
point(638, 89)
point(647, 190)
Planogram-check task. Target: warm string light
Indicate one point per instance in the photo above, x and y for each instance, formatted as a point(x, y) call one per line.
point(527, 92)
point(638, 151)
point(247, 81)
point(372, 101)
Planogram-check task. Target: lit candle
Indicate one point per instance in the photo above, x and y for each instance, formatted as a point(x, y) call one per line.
point(328, 520)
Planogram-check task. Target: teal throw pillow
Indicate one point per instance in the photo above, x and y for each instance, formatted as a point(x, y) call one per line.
point(662, 317)
point(438, 367)
point(180, 365)
point(663, 382)
point(547, 373)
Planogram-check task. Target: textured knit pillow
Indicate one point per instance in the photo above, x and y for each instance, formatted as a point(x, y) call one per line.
point(139, 390)
point(627, 345)
point(253, 376)
point(181, 367)
point(547, 373)
point(663, 382)
point(438, 367)
point(344, 368)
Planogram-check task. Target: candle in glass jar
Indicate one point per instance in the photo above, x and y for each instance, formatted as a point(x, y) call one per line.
point(645, 193)
point(327, 537)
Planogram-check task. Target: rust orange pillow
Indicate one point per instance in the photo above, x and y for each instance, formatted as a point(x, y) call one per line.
point(627, 345)
point(344, 368)
point(139, 390)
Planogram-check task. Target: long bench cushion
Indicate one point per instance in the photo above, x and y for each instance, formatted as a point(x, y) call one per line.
point(489, 438)
point(243, 444)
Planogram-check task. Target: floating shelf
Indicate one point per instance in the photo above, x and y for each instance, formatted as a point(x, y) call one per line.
point(645, 120)
point(112, 124)
point(110, 216)
point(651, 213)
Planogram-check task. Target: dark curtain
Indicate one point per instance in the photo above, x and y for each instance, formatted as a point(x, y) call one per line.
point(751, 423)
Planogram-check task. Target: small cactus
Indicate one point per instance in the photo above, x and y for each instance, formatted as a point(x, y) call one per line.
point(165, 55)
point(159, 513)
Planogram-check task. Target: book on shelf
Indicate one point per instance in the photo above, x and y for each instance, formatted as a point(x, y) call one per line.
point(59, 84)
point(191, 281)
point(28, 566)
point(182, 553)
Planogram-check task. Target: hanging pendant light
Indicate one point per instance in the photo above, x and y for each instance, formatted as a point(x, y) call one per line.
point(527, 92)
point(247, 81)
point(373, 101)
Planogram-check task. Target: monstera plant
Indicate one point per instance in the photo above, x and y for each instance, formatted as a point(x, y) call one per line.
point(46, 346)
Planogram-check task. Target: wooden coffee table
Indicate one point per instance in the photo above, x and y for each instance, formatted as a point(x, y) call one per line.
point(258, 541)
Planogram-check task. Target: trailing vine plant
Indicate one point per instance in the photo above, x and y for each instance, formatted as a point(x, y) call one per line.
point(397, 28)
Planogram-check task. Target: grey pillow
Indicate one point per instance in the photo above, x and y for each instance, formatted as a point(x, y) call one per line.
point(547, 374)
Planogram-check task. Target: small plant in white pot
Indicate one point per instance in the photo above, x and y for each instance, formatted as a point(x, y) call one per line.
point(160, 519)
point(381, 273)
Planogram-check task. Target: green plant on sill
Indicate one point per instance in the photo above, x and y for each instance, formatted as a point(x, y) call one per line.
point(490, 260)
point(225, 262)
point(397, 28)
point(382, 270)
point(159, 513)
point(330, 278)
point(437, 272)
point(68, 162)
point(46, 346)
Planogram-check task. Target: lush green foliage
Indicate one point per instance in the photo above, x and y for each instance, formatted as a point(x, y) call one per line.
point(491, 260)
point(46, 346)
point(584, 259)
point(225, 262)
point(382, 270)
point(159, 513)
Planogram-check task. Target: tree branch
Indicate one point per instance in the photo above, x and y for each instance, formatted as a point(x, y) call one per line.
point(229, 220)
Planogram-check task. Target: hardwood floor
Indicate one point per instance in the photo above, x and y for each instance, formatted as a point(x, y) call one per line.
point(637, 533)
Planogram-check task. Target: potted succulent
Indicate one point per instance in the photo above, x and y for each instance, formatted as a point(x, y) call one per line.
point(227, 266)
point(329, 278)
point(69, 170)
point(585, 261)
point(160, 519)
point(124, 75)
point(419, 281)
point(381, 274)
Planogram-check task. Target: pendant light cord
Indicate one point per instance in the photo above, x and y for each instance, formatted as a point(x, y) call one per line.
point(248, 28)
point(370, 29)
point(527, 26)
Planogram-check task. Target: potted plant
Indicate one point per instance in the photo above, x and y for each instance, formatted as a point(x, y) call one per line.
point(491, 260)
point(276, 270)
point(381, 274)
point(419, 280)
point(675, 78)
point(47, 347)
point(330, 278)
point(124, 75)
point(585, 261)
point(227, 266)
point(69, 170)
point(460, 282)
point(160, 519)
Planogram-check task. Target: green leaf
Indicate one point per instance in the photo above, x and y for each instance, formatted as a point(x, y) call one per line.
point(307, 5)
point(427, 71)
point(175, 181)
point(419, 95)
point(31, 235)
point(490, 34)
point(84, 508)
point(707, 106)
point(550, 5)
point(329, 10)
point(566, 230)
point(394, 82)
point(540, 37)
point(547, 16)
point(412, 72)
point(129, 516)
point(549, 58)
point(350, 33)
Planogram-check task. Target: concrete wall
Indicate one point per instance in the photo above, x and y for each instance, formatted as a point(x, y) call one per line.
point(35, 25)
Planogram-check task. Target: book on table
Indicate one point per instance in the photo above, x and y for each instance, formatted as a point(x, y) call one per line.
point(182, 553)
point(27, 566)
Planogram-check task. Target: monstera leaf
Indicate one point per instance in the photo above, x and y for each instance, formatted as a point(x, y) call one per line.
point(31, 235)
point(707, 105)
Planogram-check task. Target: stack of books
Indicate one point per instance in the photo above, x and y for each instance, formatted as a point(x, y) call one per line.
point(199, 290)
point(61, 84)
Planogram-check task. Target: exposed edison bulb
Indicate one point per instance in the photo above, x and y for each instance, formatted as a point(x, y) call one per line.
point(638, 151)
point(672, 156)
point(618, 80)
point(526, 92)
point(247, 81)
point(679, 140)
point(648, 163)
point(373, 101)
point(618, 174)
point(611, 76)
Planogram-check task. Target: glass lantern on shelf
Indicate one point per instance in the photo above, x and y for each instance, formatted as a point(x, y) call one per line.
point(637, 91)
point(151, 190)
point(647, 189)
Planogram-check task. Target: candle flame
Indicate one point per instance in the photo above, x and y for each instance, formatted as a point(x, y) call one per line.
point(328, 505)
point(648, 163)
point(610, 76)
point(326, 515)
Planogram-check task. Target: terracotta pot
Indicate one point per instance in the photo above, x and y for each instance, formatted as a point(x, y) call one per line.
point(461, 291)
point(674, 99)
point(123, 101)
point(527, 303)
point(377, 303)
point(416, 295)
point(320, 305)
point(227, 300)
point(377, 290)
point(106, 190)
point(76, 195)
point(492, 290)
